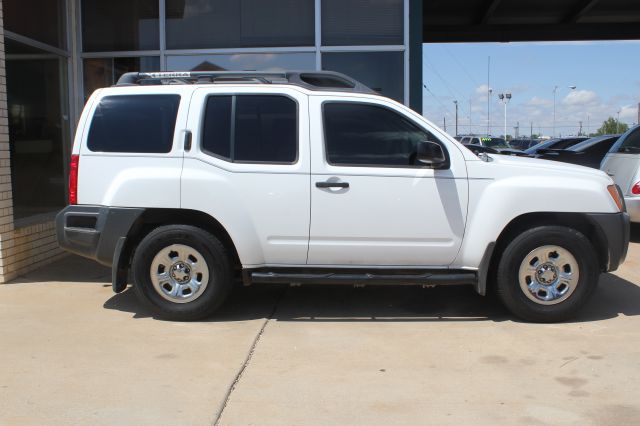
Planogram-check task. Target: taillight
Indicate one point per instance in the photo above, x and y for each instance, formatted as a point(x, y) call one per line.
point(73, 179)
point(635, 190)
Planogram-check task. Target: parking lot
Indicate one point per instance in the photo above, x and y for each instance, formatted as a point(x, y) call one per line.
point(72, 352)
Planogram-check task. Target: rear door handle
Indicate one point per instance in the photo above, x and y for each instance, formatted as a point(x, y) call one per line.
point(332, 184)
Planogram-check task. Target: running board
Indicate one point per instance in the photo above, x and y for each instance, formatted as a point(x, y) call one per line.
point(430, 278)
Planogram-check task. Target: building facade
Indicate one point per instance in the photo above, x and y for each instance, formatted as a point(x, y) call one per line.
point(55, 53)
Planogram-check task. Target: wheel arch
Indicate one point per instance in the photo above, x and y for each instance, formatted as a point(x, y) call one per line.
point(578, 221)
point(151, 219)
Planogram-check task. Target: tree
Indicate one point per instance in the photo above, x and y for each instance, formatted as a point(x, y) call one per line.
point(612, 126)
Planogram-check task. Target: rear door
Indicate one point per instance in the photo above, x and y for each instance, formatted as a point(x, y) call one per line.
point(248, 168)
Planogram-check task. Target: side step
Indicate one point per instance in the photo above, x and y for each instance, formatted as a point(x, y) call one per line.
point(361, 278)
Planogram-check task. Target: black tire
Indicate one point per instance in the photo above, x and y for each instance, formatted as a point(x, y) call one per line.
point(508, 284)
point(218, 265)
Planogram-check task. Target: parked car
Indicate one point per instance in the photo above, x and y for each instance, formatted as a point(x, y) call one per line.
point(189, 181)
point(587, 153)
point(557, 143)
point(523, 144)
point(492, 145)
point(622, 163)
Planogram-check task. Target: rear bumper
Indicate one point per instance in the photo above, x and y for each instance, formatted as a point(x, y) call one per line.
point(95, 232)
point(614, 229)
point(633, 208)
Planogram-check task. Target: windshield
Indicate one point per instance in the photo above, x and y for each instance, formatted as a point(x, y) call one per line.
point(495, 143)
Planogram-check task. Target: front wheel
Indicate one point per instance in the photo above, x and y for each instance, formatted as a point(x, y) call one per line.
point(182, 272)
point(546, 274)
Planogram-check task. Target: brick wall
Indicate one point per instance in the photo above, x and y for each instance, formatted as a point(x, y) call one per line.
point(25, 248)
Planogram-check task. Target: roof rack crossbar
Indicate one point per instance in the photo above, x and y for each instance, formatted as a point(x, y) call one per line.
point(312, 80)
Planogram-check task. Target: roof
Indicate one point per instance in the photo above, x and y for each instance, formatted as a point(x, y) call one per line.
point(311, 80)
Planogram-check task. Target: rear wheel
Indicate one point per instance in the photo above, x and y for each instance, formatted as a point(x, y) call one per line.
point(182, 272)
point(547, 273)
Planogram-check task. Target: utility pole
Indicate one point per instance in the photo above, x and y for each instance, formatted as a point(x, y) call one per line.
point(517, 129)
point(531, 130)
point(580, 131)
point(444, 121)
point(618, 122)
point(456, 103)
point(470, 124)
point(489, 96)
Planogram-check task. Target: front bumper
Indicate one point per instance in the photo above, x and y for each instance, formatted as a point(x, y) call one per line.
point(613, 230)
point(633, 208)
point(95, 232)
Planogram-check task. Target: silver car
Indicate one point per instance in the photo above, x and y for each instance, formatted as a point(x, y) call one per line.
point(622, 163)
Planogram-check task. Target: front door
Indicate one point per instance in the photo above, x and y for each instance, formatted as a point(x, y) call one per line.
point(372, 202)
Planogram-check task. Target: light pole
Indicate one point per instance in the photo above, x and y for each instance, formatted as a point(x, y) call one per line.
point(618, 122)
point(555, 89)
point(456, 103)
point(505, 98)
point(489, 112)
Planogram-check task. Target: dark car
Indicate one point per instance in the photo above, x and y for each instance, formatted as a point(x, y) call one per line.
point(587, 153)
point(523, 144)
point(489, 145)
point(557, 143)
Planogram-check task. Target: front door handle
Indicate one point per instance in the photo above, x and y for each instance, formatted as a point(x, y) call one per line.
point(332, 184)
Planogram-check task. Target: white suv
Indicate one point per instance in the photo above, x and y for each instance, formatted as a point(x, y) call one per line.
point(187, 182)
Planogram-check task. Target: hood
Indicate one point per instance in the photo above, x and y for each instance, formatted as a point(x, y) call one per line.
point(501, 165)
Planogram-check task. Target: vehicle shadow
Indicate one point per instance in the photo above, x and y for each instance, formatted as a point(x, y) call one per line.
point(614, 296)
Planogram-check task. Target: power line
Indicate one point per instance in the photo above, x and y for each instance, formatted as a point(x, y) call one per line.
point(462, 67)
point(444, 82)
point(437, 100)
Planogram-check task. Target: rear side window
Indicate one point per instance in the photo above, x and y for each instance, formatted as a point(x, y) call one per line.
point(251, 128)
point(134, 123)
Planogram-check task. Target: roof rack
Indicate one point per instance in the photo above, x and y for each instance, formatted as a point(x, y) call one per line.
point(312, 80)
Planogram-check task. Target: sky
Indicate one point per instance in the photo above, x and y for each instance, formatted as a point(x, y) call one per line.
point(606, 76)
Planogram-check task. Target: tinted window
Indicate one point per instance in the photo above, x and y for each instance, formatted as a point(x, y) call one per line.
point(475, 141)
point(631, 142)
point(381, 71)
point(216, 134)
point(361, 134)
point(206, 24)
point(134, 123)
point(116, 25)
point(264, 128)
point(358, 22)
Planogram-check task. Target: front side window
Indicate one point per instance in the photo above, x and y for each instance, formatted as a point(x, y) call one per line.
point(134, 123)
point(370, 135)
point(251, 128)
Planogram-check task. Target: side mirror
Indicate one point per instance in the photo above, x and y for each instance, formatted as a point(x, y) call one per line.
point(431, 154)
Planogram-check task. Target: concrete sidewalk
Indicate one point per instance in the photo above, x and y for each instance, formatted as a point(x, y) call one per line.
point(72, 352)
